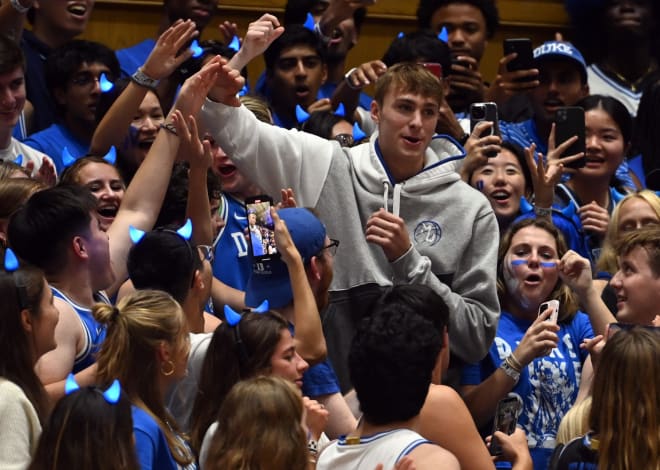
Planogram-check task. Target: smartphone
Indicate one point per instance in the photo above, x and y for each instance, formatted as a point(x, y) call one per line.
point(260, 231)
point(434, 67)
point(522, 47)
point(550, 304)
point(569, 121)
point(485, 112)
point(506, 418)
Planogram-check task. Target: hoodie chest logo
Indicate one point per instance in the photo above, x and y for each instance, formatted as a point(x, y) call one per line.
point(427, 233)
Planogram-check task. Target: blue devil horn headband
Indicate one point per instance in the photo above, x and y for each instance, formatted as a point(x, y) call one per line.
point(301, 114)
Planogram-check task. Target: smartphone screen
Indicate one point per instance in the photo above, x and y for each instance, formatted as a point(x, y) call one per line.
point(260, 231)
point(569, 121)
point(506, 418)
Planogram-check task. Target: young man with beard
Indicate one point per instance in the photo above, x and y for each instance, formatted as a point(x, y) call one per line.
point(397, 202)
point(73, 73)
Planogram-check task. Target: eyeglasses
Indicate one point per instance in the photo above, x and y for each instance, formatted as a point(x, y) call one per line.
point(207, 252)
point(345, 140)
point(332, 247)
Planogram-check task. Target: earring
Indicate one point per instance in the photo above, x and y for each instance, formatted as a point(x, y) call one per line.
point(169, 372)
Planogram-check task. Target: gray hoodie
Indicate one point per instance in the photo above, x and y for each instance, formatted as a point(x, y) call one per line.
point(453, 230)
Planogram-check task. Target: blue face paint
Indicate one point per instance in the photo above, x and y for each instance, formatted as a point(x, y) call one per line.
point(548, 264)
point(480, 185)
point(518, 262)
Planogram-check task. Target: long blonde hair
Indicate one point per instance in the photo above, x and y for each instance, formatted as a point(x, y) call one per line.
point(259, 428)
point(607, 261)
point(136, 328)
point(625, 411)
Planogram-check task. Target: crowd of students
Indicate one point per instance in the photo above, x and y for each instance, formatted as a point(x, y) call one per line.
point(401, 291)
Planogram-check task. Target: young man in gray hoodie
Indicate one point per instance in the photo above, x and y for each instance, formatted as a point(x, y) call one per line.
point(402, 212)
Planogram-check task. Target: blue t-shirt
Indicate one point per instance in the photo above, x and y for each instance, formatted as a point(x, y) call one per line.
point(52, 141)
point(548, 385)
point(133, 57)
point(232, 263)
point(151, 445)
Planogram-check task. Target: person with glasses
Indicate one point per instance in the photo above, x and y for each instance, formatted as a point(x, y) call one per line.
point(74, 73)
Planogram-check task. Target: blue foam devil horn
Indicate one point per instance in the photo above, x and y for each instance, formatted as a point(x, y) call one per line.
point(67, 158)
point(301, 114)
point(19, 159)
point(443, 35)
point(262, 308)
point(135, 233)
point(309, 22)
point(70, 385)
point(232, 316)
point(186, 230)
point(111, 156)
point(196, 49)
point(104, 84)
point(235, 44)
point(340, 111)
point(113, 392)
point(11, 261)
point(358, 133)
point(525, 206)
point(400, 35)
point(243, 91)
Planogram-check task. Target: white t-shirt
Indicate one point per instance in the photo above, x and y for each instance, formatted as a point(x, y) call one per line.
point(17, 148)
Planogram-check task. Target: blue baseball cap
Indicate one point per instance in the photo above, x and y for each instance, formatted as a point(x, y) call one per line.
point(561, 50)
point(269, 279)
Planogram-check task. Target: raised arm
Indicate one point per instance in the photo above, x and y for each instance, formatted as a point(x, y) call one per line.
point(166, 56)
point(259, 36)
point(309, 339)
point(144, 196)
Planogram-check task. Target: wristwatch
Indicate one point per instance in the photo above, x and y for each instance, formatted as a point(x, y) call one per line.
point(142, 79)
point(509, 370)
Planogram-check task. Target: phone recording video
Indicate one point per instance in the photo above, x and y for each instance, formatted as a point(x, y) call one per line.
point(550, 304)
point(485, 112)
point(525, 56)
point(506, 418)
point(260, 231)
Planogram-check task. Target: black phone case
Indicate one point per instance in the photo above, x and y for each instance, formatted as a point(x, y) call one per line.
point(569, 121)
point(506, 418)
point(523, 47)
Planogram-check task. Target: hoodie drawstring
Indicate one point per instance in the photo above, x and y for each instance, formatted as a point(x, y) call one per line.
point(396, 198)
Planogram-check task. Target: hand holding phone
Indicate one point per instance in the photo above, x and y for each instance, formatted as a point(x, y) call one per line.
point(485, 112)
point(260, 231)
point(506, 418)
point(554, 304)
point(524, 59)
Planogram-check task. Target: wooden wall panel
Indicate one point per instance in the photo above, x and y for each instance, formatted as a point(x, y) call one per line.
point(120, 23)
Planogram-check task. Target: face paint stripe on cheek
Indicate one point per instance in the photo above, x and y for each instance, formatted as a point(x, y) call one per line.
point(518, 262)
point(548, 264)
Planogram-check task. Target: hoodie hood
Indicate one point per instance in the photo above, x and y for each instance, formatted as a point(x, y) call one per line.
point(441, 161)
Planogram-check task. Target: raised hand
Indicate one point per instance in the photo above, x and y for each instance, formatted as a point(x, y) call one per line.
point(465, 76)
point(544, 176)
point(555, 152)
point(228, 83)
point(575, 271)
point(170, 50)
point(595, 219)
point(194, 89)
point(366, 74)
point(191, 148)
point(260, 35)
point(507, 84)
point(285, 246)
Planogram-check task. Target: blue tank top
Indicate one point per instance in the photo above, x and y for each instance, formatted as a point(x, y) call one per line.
point(94, 331)
point(231, 264)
